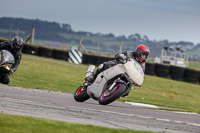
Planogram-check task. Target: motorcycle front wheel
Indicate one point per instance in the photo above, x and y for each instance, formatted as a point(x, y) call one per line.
point(110, 96)
point(80, 94)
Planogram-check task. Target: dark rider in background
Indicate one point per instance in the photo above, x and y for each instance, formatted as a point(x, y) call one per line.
point(14, 47)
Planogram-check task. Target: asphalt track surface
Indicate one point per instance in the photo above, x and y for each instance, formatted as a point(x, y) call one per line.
point(63, 107)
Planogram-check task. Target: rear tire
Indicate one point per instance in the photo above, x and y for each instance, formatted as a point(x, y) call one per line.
point(80, 94)
point(106, 99)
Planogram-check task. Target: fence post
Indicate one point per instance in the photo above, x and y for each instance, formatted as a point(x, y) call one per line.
point(97, 48)
point(187, 56)
point(32, 35)
point(81, 47)
point(161, 56)
point(120, 48)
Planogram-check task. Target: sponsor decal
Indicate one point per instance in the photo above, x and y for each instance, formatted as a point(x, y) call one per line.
point(137, 67)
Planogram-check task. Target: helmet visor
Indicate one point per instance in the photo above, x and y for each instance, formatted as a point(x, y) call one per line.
point(17, 47)
point(142, 55)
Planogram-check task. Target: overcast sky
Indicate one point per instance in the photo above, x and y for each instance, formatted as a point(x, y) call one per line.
point(175, 20)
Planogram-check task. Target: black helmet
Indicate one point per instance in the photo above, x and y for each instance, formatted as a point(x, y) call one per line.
point(17, 43)
point(142, 49)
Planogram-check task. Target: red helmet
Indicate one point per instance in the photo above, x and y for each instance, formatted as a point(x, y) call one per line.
point(142, 49)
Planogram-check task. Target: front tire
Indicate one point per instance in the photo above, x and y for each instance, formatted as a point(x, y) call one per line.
point(4, 79)
point(108, 97)
point(80, 94)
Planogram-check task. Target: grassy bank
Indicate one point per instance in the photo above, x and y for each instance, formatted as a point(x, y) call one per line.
point(194, 64)
point(40, 73)
point(167, 92)
point(22, 124)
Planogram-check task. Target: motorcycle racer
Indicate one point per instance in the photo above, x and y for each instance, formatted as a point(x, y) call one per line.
point(140, 55)
point(14, 47)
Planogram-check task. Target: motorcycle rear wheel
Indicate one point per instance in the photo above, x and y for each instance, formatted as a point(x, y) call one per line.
point(108, 97)
point(80, 95)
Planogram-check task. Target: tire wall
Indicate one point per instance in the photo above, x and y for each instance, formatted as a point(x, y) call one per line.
point(162, 70)
point(192, 76)
point(45, 52)
point(94, 60)
point(150, 68)
point(177, 73)
point(30, 49)
point(60, 54)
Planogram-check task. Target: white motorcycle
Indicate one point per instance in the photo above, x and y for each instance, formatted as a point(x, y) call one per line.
point(111, 83)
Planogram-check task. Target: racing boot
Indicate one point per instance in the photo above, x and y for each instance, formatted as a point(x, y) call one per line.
point(90, 79)
point(90, 74)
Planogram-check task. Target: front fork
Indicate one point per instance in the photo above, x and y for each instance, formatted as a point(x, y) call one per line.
point(118, 80)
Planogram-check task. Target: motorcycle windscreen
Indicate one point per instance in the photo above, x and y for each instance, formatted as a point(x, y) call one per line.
point(135, 71)
point(6, 57)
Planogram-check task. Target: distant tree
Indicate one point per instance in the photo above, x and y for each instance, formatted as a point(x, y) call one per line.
point(121, 38)
point(146, 38)
point(134, 37)
point(109, 35)
point(198, 45)
point(66, 27)
point(164, 43)
point(131, 37)
point(27, 25)
point(138, 37)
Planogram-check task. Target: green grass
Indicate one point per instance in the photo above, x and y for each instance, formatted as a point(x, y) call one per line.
point(40, 74)
point(194, 64)
point(23, 124)
point(193, 52)
point(167, 92)
point(35, 72)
